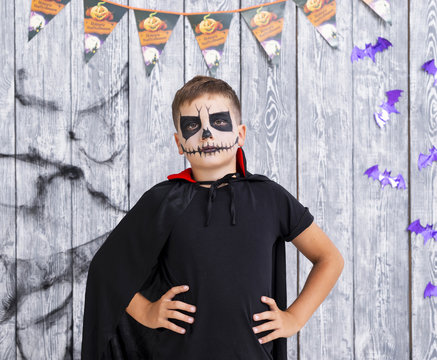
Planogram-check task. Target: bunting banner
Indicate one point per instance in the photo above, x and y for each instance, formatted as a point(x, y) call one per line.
point(266, 23)
point(154, 29)
point(211, 32)
point(100, 19)
point(382, 8)
point(321, 13)
point(41, 12)
point(210, 28)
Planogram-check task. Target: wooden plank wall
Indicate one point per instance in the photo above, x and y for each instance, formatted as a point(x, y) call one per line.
point(423, 195)
point(80, 143)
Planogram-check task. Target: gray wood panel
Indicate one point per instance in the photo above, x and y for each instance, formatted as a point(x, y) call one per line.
point(380, 242)
point(423, 200)
point(43, 237)
point(80, 143)
point(8, 258)
point(325, 171)
point(153, 151)
point(100, 137)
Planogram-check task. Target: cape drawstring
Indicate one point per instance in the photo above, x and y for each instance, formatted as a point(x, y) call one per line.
point(212, 193)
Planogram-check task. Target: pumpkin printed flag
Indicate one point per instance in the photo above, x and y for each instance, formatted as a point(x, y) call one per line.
point(211, 31)
point(100, 18)
point(266, 23)
point(41, 12)
point(154, 30)
point(321, 13)
point(381, 7)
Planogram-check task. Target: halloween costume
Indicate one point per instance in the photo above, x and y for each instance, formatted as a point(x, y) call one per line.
point(226, 242)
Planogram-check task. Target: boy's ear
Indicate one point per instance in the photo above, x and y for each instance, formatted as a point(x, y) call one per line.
point(241, 134)
point(177, 143)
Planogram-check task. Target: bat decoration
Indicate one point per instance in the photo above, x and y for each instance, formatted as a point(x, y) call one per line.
point(426, 160)
point(430, 290)
point(427, 232)
point(385, 178)
point(370, 50)
point(431, 69)
point(388, 107)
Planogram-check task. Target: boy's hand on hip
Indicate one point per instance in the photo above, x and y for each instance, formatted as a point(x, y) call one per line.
point(157, 314)
point(282, 322)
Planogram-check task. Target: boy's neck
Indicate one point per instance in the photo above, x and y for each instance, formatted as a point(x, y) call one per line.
point(214, 173)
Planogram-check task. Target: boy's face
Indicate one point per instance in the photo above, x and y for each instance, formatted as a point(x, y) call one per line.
point(208, 133)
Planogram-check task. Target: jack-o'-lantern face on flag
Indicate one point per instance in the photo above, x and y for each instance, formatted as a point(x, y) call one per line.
point(208, 132)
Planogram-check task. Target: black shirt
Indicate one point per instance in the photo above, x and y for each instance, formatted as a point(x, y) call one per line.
point(228, 268)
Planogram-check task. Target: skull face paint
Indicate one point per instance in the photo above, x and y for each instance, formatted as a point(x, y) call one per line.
point(208, 133)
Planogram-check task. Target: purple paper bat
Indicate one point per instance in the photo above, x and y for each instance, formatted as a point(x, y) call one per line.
point(430, 290)
point(427, 232)
point(425, 160)
point(388, 107)
point(370, 50)
point(385, 178)
point(431, 69)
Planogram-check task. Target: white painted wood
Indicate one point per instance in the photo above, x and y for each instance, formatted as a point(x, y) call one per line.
point(423, 198)
point(380, 217)
point(153, 151)
point(7, 176)
point(100, 148)
point(325, 170)
point(43, 115)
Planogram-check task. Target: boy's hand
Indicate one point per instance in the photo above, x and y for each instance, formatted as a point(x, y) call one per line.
point(283, 321)
point(156, 314)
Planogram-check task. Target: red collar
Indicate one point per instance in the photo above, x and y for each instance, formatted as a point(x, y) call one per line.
point(187, 174)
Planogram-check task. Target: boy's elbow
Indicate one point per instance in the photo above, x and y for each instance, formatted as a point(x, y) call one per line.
point(339, 262)
point(336, 260)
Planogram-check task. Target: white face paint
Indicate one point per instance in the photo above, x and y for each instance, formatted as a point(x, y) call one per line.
point(208, 133)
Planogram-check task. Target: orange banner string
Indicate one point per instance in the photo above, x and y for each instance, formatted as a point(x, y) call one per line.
point(196, 13)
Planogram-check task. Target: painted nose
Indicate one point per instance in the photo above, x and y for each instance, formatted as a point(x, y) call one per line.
point(206, 134)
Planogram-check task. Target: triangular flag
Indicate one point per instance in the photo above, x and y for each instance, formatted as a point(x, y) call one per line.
point(266, 22)
point(211, 31)
point(41, 12)
point(100, 18)
point(154, 30)
point(381, 7)
point(321, 13)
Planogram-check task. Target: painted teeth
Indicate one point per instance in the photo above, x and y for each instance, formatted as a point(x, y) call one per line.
point(209, 147)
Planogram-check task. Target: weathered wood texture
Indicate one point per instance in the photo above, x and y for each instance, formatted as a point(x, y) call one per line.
point(423, 188)
point(80, 143)
point(380, 217)
point(325, 174)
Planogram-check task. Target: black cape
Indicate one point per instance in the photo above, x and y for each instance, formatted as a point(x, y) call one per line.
point(127, 263)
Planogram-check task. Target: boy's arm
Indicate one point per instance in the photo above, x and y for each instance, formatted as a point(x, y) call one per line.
point(316, 246)
point(137, 306)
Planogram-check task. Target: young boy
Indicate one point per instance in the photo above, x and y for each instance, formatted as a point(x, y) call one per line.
point(217, 229)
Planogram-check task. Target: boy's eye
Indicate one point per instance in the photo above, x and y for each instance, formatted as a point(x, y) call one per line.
point(220, 122)
point(192, 126)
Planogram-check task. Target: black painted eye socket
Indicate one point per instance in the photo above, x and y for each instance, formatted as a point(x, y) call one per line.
point(221, 121)
point(189, 125)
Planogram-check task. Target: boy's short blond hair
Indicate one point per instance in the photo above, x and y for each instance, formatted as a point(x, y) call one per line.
point(198, 86)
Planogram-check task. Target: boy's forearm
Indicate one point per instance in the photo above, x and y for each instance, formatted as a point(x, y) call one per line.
point(320, 281)
point(137, 304)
